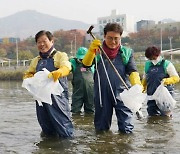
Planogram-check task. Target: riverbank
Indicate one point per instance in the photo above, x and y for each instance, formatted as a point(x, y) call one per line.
point(11, 74)
point(16, 73)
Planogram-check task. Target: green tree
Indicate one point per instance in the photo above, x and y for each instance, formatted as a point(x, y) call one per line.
point(25, 55)
point(3, 53)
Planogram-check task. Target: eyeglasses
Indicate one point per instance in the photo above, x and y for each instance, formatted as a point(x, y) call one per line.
point(116, 39)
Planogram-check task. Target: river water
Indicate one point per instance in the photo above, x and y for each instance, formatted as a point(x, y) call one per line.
point(20, 132)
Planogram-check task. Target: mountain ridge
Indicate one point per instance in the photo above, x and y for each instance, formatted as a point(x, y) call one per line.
point(27, 23)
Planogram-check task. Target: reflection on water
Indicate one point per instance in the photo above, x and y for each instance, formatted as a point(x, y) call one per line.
point(53, 145)
point(20, 131)
point(162, 132)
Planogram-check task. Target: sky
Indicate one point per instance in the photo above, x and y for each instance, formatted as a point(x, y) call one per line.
point(89, 10)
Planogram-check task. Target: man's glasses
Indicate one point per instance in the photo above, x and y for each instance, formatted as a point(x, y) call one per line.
point(116, 39)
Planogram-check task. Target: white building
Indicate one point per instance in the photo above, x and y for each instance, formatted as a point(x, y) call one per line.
point(126, 21)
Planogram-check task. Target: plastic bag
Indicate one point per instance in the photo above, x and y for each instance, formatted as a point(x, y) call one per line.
point(133, 98)
point(163, 98)
point(41, 87)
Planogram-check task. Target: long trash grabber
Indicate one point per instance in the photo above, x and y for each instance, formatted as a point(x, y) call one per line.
point(105, 70)
point(89, 32)
point(138, 113)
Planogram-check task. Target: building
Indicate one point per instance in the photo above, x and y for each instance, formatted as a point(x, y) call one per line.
point(150, 25)
point(127, 22)
point(173, 27)
point(145, 24)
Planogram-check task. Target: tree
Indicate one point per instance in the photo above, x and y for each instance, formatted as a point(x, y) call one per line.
point(25, 55)
point(3, 53)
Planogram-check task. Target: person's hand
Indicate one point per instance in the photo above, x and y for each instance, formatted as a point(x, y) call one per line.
point(94, 46)
point(144, 90)
point(170, 80)
point(26, 75)
point(135, 78)
point(61, 72)
point(55, 74)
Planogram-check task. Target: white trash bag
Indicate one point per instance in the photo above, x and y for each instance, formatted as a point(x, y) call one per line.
point(133, 98)
point(41, 87)
point(163, 98)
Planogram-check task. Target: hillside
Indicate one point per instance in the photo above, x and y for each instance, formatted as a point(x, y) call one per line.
point(27, 23)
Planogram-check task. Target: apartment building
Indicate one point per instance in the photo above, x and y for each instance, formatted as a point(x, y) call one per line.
point(126, 21)
point(164, 26)
point(145, 24)
point(173, 26)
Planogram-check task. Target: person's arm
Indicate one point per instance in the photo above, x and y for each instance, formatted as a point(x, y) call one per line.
point(173, 75)
point(134, 78)
point(90, 55)
point(131, 69)
point(32, 69)
point(61, 61)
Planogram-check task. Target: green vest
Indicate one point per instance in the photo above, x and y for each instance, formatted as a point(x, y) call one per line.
point(74, 65)
point(148, 64)
point(125, 54)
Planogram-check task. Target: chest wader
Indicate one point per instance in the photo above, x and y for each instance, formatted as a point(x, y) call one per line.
point(83, 85)
point(154, 76)
point(103, 114)
point(55, 119)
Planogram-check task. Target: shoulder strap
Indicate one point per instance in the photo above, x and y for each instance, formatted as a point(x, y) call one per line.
point(53, 53)
point(125, 54)
point(147, 66)
point(165, 65)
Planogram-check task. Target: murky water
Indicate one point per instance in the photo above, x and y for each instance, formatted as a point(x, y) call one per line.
point(20, 131)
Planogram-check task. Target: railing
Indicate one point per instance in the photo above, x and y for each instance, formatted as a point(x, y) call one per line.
point(12, 63)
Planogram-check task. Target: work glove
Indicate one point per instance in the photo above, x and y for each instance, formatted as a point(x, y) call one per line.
point(28, 75)
point(144, 83)
point(135, 79)
point(170, 80)
point(32, 68)
point(93, 48)
point(61, 72)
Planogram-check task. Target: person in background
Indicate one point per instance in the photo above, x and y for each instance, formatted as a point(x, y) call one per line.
point(122, 58)
point(157, 70)
point(54, 119)
point(82, 83)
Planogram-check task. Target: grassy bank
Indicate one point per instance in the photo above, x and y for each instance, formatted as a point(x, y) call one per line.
point(11, 74)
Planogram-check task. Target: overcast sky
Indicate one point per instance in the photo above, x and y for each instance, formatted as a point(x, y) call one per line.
point(89, 10)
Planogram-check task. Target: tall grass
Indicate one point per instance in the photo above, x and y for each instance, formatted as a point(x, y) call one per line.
point(11, 74)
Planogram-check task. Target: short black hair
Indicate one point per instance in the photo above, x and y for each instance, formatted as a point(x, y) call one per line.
point(152, 51)
point(43, 32)
point(115, 27)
